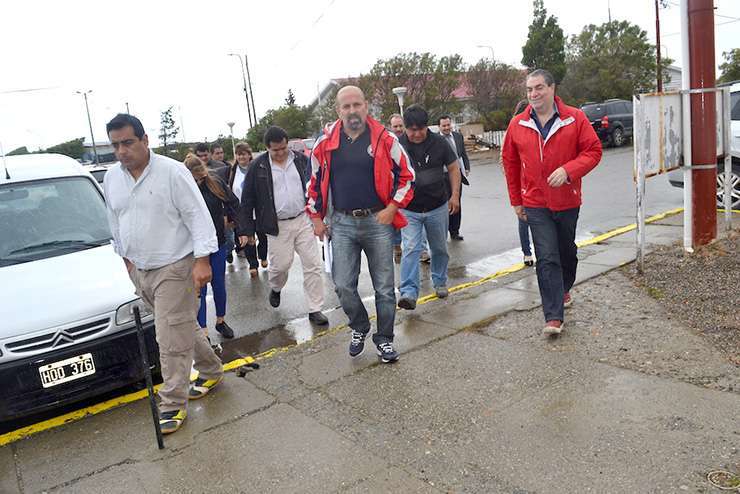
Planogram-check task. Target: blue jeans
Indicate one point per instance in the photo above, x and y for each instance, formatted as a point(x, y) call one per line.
point(432, 225)
point(396, 237)
point(218, 286)
point(524, 237)
point(350, 236)
point(230, 239)
point(554, 234)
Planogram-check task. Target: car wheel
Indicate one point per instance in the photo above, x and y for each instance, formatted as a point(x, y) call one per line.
point(618, 137)
point(734, 188)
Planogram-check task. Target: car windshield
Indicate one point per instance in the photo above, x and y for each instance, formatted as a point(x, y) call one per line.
point(594, 111)
point(735, 105)
point(49, 218)
point(296, 146)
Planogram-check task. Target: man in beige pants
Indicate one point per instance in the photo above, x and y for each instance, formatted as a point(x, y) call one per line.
point(164, 232)
point(273, 201)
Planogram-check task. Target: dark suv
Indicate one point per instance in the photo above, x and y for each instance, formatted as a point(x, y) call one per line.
point(612, 120)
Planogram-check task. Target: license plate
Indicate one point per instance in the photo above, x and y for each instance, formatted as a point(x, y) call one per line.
point(67, 370)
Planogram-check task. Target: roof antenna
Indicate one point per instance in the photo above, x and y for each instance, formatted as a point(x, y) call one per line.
point(5, 163)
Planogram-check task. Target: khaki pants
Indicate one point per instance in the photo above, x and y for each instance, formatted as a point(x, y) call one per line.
point(169, 291)
point(296, 236)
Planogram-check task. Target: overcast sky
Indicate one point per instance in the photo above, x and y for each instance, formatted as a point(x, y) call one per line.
point(153, 54)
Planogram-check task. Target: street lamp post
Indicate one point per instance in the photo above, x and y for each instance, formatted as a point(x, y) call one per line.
point(493, 58)
point(231, 134)
point(89, 121)
point(244, 79)
point(400, 92)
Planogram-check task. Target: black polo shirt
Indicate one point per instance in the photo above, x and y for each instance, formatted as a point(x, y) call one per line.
point(429, 159)
point(352, 176)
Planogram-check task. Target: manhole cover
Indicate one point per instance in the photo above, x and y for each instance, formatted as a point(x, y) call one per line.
point(723, 480)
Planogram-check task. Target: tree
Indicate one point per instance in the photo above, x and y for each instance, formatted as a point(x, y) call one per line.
point(731, 66)
point(18, 151)
point(293, 119)
point(545, 46)
point(495, 88)
point(290, 100)
point(430, 81)
point(613, 60)
point(168, 130)
point(73, 149)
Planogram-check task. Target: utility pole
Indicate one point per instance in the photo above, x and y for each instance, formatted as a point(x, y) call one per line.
point(609, 10)
point(700, 14)
point(127, 110)
point(244, 79)
point(89, 121)
point(657, 46)
point(251, 93)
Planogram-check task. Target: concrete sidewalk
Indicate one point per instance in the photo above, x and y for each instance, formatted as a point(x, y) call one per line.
point(479, 402)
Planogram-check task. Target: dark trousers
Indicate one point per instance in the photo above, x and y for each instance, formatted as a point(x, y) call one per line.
point(259, 249)
point(455, 219)
point(553, 234)
point(524, 238)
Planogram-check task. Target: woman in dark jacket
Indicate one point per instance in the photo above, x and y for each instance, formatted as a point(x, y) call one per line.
point(236, 182)
point(223, 206)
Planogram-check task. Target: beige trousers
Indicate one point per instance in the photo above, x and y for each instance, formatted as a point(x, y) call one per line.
point(296, 236)
point(169, 291)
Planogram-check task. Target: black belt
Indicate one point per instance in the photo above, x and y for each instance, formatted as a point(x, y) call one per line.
point(360, 213)
point(291, 218)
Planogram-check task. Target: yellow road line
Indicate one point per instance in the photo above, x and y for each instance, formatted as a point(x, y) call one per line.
point(23, 432)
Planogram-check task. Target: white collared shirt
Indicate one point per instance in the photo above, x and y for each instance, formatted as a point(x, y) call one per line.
point(239, 176)
point(159, 218)
point(287, 189)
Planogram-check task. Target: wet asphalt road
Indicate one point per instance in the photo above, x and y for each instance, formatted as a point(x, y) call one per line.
point(491, 243)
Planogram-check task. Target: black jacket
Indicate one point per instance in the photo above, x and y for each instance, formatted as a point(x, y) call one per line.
point(220, 207)
point(461, 154)
point(257, 212)
point(220, 168)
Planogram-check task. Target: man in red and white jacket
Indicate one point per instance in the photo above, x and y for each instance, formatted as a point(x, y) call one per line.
point(548, 149)
point(360, 179)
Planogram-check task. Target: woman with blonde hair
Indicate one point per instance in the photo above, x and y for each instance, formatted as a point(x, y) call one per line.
point(224, 207)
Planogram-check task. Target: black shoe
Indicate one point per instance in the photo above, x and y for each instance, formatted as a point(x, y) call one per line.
point(274, 298)
point(357, 343)
point(456, 236)
point(407, 303)
point(386, 352)
point(225, 330)
point(230, 257)
point(318, 318)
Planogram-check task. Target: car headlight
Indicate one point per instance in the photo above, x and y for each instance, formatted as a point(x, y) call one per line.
point(125, 313)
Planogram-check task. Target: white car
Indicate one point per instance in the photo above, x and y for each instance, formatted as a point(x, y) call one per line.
point(676, 176)
point(67, 329)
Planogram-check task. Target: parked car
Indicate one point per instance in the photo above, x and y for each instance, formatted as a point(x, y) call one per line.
point(97, 171)
point(301, 146)
point(67, 329)
point(612, 120)
point(676, 176)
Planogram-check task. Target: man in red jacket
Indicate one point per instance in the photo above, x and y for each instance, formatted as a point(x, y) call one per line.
point(360, 179)
point(548, 148)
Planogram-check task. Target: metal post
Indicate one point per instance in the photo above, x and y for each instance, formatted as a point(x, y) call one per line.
point(657, 46)
point(251, 93)
point(231, 134)
point(244, 79)
point(703, 121)
point(727, 147)
point(688, 213)
point(148, 376)
point(639, 154)
point(89, 122)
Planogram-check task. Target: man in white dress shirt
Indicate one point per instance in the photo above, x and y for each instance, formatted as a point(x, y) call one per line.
point(162, 229)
